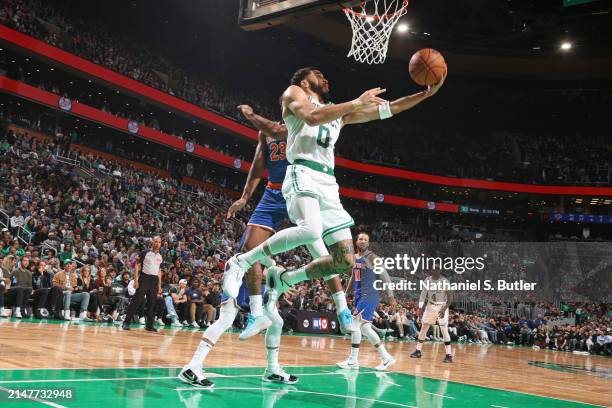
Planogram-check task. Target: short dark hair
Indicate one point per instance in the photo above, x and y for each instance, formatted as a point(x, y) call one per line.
point(299, 75)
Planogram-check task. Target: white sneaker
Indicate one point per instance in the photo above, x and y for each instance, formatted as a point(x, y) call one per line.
point(83, 317)
point(67, 315)
point(194, 324)
point(232, 277)
point(3, 312)
point(349, 364)
point(160, 322)
point(274, 280)
point(142, 320)
point(385, 364)
point(279, 376)
point(18, 313)
point(255, 326)
point(176, 323)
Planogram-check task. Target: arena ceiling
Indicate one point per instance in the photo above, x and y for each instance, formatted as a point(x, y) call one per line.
point(496, 36)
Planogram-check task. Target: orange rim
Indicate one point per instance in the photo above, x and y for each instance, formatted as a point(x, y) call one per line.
point(384, 16)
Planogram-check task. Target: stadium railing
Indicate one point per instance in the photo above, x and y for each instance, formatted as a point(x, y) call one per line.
point(24, 236)
point(5, 220)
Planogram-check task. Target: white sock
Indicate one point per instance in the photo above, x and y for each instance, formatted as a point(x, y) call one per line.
point(448, 349)
point(419, 346)
point(383, 352)
point(200, 354)
point(227, 315)
point(340, 300)
point(254, 255)
point(272, 358)
point(17, 310)
point(355, 341)
point(267, 261)
point(375, 340)
point(256, 303)
point(273, 335)
point(293, 277)
point(354, 353)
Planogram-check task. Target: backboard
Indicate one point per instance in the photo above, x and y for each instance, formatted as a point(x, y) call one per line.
point(258, 14)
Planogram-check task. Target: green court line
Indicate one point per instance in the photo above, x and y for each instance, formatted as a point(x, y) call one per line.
point(241, 387)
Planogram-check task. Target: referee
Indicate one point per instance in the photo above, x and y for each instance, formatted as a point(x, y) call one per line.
point(147, 280)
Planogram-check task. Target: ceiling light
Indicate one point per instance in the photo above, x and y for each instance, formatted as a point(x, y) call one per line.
point(566, 46)
point(402, 28)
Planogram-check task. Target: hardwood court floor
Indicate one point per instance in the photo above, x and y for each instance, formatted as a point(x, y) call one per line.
point(106, 367)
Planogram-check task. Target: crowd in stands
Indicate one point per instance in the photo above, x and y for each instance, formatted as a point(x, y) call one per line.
point(531, 156)
point(72, 242)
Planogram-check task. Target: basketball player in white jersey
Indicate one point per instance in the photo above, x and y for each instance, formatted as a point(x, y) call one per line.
point(310, 188)
point(433, 307)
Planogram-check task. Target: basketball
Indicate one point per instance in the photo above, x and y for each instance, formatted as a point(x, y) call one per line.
point(427, 67)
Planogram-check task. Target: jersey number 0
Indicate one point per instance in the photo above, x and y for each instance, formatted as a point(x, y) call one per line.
point(323, 137)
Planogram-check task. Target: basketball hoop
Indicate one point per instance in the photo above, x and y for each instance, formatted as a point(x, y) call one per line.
point(372, 23)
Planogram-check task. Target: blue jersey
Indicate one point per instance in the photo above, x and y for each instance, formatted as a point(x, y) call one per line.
point(363, 279)
point(276, 161)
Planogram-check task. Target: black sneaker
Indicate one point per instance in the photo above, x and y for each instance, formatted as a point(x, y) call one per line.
point(191, 378)
point(416, 354)
point(448, 358)
point(151, 329)
point(280, 377)
point(125, 326)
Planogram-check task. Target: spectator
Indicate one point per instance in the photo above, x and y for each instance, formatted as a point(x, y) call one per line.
point(86, 284)
point(8, 263)
point(21, 287)
point(180, 301)
point(67, 281)
point(196, 303)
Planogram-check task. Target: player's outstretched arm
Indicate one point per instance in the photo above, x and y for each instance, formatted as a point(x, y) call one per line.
point(254, 177)
point(397, 106)
point(273, 129)
point(296, 100)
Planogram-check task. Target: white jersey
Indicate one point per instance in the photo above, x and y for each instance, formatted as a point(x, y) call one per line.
point(434, 295)
point(312, 143)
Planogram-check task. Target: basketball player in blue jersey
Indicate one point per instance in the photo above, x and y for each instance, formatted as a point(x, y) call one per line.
point(367, 298)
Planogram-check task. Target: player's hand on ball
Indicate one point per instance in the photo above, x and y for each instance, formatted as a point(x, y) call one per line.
point(246, 110)
point(433, 89)
point(370, 97)
point(236, 206)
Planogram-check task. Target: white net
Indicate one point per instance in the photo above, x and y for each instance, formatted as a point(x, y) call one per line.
point(372, 23)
